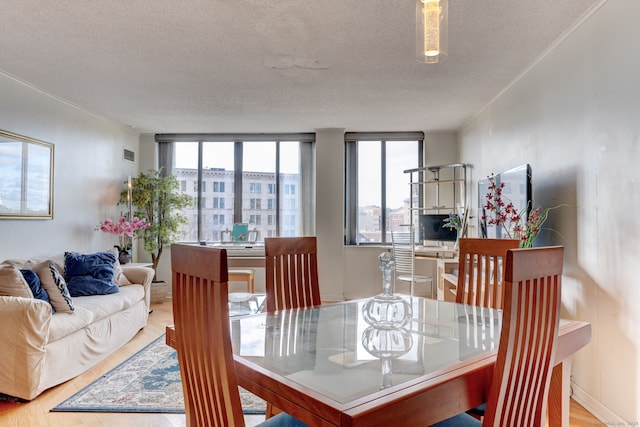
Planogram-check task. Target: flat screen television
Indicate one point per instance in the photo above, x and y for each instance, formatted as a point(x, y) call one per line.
point(431, 227)
point(517, 190)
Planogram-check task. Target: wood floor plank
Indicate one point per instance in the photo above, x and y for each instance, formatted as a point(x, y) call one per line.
point(36, 413)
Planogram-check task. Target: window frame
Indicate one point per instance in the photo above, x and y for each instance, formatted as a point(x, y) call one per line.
point(307, 175)
point(351, 141)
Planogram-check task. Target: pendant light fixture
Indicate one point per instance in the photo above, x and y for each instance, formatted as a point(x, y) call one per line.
point(431, 30)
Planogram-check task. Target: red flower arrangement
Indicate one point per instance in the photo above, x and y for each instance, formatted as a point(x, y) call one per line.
point(502, 213)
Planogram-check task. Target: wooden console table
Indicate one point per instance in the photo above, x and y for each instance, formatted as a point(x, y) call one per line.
point(447, 281)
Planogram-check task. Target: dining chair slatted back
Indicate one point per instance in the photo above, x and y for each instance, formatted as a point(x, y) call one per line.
point(403, 249)
point(481, 271)
point(291, 272)
point(203, 342)
point(528, 340)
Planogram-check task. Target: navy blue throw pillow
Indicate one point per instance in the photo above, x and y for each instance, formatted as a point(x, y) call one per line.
point(90, 274)
point(34, 283)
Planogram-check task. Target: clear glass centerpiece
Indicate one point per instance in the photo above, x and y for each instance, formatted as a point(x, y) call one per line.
point(386, 310)
point(386, 344)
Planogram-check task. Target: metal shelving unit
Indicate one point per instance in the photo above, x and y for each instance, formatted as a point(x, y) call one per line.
point(438, 189)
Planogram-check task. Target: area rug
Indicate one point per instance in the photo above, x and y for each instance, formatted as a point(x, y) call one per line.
point(148, 381)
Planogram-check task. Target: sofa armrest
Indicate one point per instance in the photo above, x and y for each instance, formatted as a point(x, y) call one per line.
point(24, 333)
point(142, 276)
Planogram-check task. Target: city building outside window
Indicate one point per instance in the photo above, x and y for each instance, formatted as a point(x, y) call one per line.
point(218, 187)
point(254, 204)
point(218, 202)
point(238, 168)
point(255, 188)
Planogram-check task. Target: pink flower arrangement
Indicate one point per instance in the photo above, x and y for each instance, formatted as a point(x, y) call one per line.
point(124, 229)
point(501, 212)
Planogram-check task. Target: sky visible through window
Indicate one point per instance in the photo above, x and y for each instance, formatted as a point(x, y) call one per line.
point(400, 156)
point(220, 155)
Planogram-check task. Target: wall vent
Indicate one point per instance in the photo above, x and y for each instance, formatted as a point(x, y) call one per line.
point(128, 155)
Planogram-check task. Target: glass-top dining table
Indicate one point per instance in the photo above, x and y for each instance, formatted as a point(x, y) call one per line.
point(328, 366)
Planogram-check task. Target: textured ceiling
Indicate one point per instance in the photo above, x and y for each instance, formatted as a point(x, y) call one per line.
point(274, 65)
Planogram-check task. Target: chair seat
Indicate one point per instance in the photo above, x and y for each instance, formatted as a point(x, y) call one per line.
point(416, 278)
point(282, 420)
point(243, 275)
point(460, 420)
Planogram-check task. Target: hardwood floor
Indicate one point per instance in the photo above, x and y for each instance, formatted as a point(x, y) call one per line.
point(36, 413)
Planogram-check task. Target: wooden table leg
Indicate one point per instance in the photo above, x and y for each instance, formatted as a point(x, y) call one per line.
point(559, 394)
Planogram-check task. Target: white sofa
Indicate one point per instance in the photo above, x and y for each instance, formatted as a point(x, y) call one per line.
point(39, 350)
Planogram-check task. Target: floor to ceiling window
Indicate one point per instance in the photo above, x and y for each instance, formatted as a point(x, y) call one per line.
point(377, 190)
point(254, 179)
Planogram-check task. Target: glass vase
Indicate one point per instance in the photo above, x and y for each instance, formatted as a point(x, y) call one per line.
point(386, 310)
point(124, 257)
point(386, 344)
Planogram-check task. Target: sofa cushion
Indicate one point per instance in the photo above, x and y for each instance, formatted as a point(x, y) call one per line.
point(33, 281)
point(55, 285)
point(92, 309)
point(12, 284)
point(104, 305)
point(90, 274)
point(63, 324)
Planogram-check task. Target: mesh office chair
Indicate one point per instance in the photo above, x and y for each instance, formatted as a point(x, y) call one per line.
point(403, 249)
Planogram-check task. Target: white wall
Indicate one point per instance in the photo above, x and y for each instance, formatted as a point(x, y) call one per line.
point(88, 167)
point(329, 212)
point(575, 117)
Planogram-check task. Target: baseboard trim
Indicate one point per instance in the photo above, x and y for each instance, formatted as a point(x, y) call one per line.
point(597, 409)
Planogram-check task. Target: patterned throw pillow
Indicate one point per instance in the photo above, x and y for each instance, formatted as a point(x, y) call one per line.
point(12, 284)
point(55, 286)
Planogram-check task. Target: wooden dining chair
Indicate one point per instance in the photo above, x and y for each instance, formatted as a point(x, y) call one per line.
point(522, 375)
point(203, 341)
point(481, 271)
point(291, 272)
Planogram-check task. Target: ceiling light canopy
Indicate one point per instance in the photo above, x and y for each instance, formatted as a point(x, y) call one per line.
point(431, 30)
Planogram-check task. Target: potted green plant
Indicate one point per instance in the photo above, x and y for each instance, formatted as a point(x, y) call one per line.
point(157, 199)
